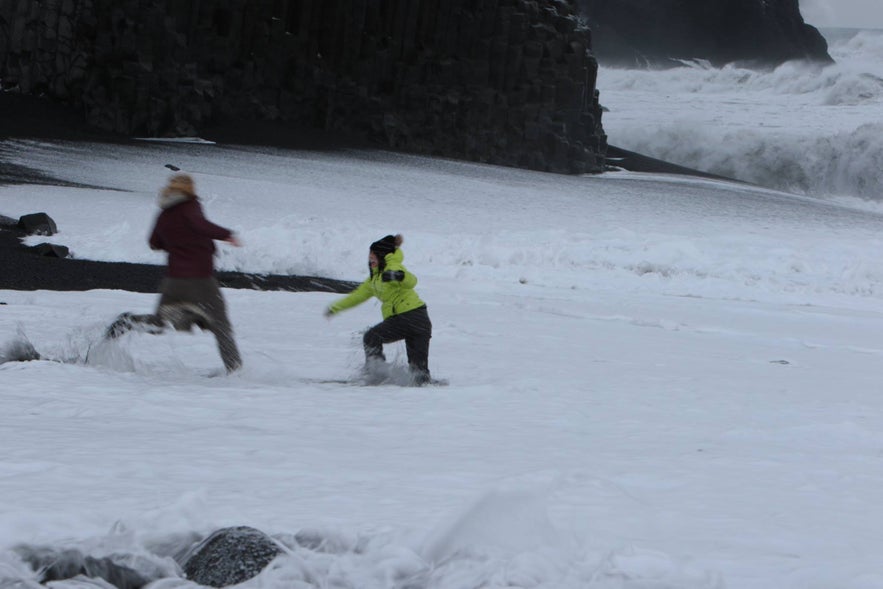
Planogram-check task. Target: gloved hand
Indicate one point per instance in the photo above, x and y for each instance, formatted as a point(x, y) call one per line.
point(391, 275)
point(328, 313)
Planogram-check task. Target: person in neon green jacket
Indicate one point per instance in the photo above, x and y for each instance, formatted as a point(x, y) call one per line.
point(405, 316)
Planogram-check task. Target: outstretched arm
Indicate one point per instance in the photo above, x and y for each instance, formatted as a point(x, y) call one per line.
point(358, 296)
point(203, 226)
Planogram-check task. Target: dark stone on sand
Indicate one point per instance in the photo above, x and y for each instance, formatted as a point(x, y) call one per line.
point(37, 224)
point(230, 556)
point(57, 565)
point(51, 250)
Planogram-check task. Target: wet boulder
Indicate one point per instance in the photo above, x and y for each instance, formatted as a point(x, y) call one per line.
point(63, 564)
point(51, 250)
point(37, 224)
point(230, 556)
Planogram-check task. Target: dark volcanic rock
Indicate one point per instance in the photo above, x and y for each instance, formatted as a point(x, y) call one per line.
point(509, 82)
point(37, 224)
point(230, 556)
point(57, 565)
point(656, 32)
point(52, 250)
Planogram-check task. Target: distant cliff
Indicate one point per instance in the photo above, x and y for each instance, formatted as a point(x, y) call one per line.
point(655, 32)
point(508, 82)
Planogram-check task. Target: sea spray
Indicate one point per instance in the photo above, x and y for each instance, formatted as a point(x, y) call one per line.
point(800, 127)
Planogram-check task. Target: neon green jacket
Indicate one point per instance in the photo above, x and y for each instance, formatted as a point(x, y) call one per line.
point(397, 297)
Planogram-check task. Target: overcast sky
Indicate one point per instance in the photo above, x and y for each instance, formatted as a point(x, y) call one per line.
point(843, 13)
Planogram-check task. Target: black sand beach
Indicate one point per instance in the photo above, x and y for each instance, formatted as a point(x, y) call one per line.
point(23, 269)
point(28, 117)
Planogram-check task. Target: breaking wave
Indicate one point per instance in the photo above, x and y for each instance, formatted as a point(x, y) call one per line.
point(800, 127)
point(843, 163)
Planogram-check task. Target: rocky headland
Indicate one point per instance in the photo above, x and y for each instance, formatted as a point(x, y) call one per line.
point(760, 33)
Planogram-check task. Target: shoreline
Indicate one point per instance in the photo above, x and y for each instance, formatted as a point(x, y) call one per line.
point(29, 117)
point(25, 270)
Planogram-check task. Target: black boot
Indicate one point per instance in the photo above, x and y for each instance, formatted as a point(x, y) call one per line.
point(127, 322)
point(420, 377)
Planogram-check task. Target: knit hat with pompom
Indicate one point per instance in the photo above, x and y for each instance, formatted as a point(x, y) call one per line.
point(386, 245)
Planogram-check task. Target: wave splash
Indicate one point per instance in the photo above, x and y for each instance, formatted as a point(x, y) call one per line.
point(845, 163)
point(800, 128)
point(504, 539)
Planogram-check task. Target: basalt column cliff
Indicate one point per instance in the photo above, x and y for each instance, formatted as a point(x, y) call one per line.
point(509, 82)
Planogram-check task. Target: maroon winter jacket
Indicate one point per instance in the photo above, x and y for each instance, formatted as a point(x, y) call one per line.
point(184, 232)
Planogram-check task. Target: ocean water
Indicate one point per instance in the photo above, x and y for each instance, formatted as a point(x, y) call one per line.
point(800, 127)
point(655, 381)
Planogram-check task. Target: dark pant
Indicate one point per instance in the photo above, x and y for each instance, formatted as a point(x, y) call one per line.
point(186, 302)
point(414, 327)
point(205, 294)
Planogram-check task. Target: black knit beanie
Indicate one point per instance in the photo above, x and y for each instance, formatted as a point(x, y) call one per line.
point(383, 246)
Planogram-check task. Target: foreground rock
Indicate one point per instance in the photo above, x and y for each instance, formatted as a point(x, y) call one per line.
point(230, 556)
point(51, 250)
point(37, 224)
point(124, 571)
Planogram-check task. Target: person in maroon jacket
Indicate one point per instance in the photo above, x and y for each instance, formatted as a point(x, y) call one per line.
point(189, 292)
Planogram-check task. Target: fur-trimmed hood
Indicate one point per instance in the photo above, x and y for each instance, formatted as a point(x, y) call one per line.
point(169, 197)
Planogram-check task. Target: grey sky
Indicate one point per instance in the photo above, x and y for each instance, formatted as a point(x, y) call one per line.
point(843, 13)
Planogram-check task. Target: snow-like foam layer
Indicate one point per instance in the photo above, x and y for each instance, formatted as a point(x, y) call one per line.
point(843, 163)
point(800, 127)
point(653, 381)
point(503, 539)
point(521, 227)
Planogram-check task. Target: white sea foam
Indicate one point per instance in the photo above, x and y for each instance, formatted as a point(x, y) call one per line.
point(690, 360)
point(546, 241)
point(799, 127)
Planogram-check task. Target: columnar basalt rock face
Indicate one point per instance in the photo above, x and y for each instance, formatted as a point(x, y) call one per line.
point(656, 32)
point(501, 81)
